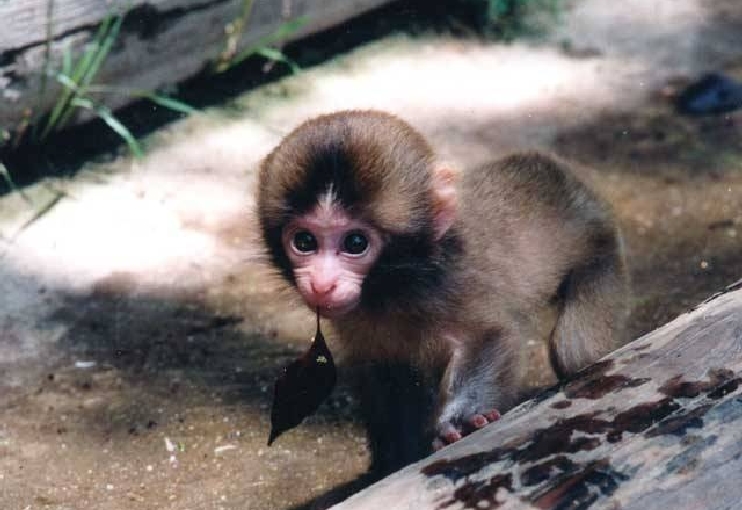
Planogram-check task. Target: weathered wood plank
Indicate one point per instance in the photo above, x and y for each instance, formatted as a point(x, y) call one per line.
point(25, 22)
point(171, 40)
point(655, 425)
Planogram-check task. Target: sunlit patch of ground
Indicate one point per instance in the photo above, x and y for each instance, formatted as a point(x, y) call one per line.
point(139, 332)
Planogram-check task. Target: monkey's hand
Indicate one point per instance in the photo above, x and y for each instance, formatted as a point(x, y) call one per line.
point(451, 430)
point(472, 388)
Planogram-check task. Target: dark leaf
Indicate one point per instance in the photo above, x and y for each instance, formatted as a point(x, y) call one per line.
point(302, 387)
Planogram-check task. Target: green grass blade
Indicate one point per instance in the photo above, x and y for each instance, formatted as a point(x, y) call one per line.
point(107, 116)
point(104, 47)
point(239, 57)
point(288, 28)
point(60, 112)
point(66, 60)
point(278, 56)
point(6, 177)
point(42, 211)
point(67, 82)
point(104, 39)
point(84, 103)
point(166, 101)
point(62, 104)
point(9, 181)
point(280, 33)
point(160, 99)
point(82, 66)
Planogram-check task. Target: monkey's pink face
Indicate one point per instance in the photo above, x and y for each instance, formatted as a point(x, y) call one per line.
point(331, 253)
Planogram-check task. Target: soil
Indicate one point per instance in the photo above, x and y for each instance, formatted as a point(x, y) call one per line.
point(140, 331)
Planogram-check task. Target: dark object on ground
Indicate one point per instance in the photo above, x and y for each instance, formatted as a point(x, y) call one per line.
point(305, 383)
point(713, 93)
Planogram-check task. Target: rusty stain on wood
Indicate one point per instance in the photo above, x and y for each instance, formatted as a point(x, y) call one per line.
point(652, 426)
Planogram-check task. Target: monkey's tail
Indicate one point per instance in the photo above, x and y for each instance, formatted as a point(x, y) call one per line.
point(594, 309)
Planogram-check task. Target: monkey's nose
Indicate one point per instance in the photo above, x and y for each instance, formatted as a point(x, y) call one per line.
point(322, 288)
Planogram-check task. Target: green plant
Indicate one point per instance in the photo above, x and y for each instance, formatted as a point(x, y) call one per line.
point(40, 211)
point(498, 9)
point(230, 57)
point(509, 18)
point(5, 174)
point(76, 78)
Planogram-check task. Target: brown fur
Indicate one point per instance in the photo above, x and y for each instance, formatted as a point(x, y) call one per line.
point(533, 255)
point(375, 148)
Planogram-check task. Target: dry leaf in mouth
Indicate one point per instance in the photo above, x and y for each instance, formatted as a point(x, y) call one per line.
point(302, 387)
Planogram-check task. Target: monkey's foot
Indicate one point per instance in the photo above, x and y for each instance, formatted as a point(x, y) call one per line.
point(448, 432)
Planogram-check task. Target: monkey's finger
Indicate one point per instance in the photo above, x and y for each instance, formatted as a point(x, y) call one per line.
point(448, 434)
point(477, 421)
point(492, 415)
point(453, 436)
point(440, 442)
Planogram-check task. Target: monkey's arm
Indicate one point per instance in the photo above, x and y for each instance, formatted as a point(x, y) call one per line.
point(479, 380)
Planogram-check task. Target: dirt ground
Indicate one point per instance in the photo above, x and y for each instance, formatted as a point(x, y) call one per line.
point(140, 332)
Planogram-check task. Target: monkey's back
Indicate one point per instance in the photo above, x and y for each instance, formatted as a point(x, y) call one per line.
point(525, 220)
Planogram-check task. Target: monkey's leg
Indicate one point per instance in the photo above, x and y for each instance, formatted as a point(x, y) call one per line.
point(480, 380)
point(594, 301)
point(396, 404)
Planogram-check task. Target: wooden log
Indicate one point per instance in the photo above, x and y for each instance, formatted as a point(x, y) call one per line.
point(165, 41)
point(655, 425)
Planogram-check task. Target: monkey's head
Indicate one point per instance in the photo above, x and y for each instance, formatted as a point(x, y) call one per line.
point(352, 211)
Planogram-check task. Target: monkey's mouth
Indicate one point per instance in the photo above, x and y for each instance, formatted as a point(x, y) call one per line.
point(333, 311)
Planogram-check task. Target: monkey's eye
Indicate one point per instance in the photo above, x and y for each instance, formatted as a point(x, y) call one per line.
point(355, 243)
point(305, 242)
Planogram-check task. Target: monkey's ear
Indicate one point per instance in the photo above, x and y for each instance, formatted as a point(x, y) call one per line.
point(444, 199)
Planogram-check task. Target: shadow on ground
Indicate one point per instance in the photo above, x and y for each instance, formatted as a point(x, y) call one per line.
point(173, 396)
point(173, 392)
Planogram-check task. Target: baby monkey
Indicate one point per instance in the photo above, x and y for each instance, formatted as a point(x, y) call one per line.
point(416, 265)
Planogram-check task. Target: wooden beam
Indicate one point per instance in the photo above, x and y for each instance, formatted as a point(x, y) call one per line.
point(655, 425)
point(166, 41)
